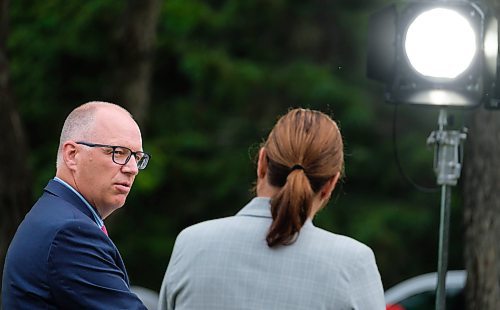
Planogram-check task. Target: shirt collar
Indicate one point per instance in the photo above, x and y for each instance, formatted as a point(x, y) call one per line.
point(97, 217)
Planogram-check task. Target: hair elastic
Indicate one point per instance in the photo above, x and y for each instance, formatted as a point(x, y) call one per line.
point(295, 167)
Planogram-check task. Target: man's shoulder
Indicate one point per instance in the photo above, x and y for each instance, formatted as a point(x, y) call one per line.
point(49, 221)
point(54, 207)
point(48, 217)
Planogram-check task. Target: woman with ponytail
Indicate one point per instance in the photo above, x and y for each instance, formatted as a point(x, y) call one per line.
point(270, 255)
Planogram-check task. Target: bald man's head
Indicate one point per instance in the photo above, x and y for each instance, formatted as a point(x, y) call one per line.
point(92, 136)
point(79, 125)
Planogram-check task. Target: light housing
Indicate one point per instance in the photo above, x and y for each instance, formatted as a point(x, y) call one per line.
point(399, 53)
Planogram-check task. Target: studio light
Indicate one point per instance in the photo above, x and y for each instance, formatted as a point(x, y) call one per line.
point(440, 43)
point(440, 53)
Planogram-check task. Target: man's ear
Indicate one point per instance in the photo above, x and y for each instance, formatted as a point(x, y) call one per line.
point(329, 186)
point(69, 155)
point(262, 164)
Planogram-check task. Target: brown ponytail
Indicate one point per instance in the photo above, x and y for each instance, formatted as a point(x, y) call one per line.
point(304, 150)
point(290, 208)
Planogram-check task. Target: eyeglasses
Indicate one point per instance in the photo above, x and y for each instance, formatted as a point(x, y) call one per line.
point(121, 154)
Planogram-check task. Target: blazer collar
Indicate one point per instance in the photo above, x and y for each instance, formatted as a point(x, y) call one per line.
point(57, 189)
point(261, 207)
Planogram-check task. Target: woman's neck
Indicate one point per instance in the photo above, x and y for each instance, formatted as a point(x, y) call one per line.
point(264, 189)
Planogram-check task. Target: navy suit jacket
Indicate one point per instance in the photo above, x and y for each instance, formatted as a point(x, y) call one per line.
point(60, 259)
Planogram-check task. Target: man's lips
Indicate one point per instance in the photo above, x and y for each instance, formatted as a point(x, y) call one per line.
point(123, 187)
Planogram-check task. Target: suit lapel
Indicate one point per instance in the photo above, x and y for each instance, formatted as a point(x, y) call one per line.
point(57, 189)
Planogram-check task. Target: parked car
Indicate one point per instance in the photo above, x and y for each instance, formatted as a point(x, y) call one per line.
point(419, 293)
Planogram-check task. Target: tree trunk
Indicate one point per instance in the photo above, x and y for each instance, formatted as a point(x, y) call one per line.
point(15, 178)
point(482, 211)
point(135, 39)
point(482, 207)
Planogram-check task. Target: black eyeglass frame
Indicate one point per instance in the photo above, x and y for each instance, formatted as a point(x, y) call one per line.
point(141, 163)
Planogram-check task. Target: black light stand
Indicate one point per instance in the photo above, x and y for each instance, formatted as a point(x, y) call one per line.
point(447, 165)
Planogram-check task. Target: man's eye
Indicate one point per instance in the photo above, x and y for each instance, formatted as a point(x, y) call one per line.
point(120, 151)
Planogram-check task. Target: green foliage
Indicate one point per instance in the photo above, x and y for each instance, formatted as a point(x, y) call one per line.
point(224, 71)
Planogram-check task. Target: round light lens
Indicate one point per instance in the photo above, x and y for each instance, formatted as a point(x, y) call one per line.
point(440, 43)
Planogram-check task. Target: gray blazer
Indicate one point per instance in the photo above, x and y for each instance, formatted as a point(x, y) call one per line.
point(226, 264)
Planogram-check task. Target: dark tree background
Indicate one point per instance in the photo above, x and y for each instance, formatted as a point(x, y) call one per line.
point(15, 181)
point(133, 53)
point(207, 79)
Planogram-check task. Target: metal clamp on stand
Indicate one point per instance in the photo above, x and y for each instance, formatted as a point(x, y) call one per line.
point(448, 153)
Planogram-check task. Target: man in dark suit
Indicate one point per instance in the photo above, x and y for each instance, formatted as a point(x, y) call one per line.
point(61, 256)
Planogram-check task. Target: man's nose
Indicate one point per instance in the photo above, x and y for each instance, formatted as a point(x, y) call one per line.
point(131, 166)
